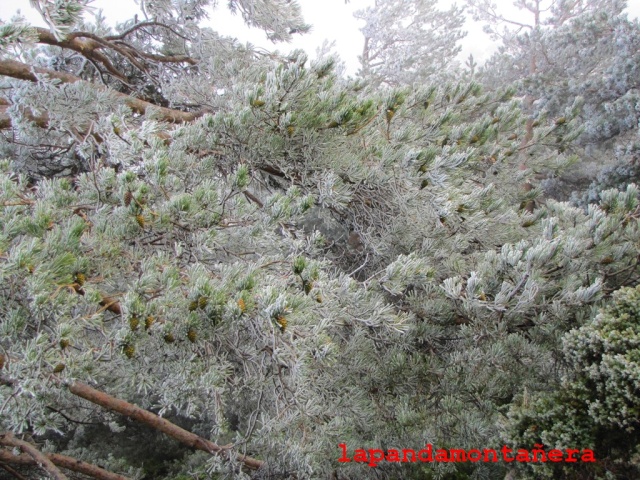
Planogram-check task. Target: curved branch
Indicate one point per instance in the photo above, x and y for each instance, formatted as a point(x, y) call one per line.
point(168, 58)
point(142, 25)
point(87, 48)
point(106, 43)
point(88, 45)
point(9, 440)
point(128, 53)
point(22, 71)
point(151, 419)
point(64, 461)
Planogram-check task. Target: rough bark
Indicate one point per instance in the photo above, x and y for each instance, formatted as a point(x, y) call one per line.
point(22, 71)
point(143, 416)
point(63, 461)
point(9, 440)
point(89, 45)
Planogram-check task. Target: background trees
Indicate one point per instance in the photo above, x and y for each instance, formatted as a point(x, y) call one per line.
point(574, 54)
point(275, 259)
point(409, 42)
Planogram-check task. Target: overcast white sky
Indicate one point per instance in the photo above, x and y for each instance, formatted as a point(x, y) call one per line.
point(331, 19)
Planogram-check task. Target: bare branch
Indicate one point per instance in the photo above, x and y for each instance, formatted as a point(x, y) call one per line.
point(88, 45)
point(87, 48)
point(9, 440)
point(137, 26)
point(106, 43)
point(22, 71)
point(253, 198)
point(64, 461)
point(151, 419)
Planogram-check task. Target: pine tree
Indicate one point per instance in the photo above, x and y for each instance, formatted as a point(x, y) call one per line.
point(261, 260)
point(574, 57)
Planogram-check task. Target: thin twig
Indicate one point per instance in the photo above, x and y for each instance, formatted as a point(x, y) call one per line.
point(142, 25)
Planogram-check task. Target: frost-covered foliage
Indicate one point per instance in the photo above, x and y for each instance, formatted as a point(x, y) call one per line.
point(586, 58)
point(152, 57)
point(593, 57)
point(281, 260)
point(278, 18)
point(624, 170)
point(597, 403)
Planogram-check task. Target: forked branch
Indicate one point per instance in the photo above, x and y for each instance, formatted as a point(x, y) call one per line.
point(9, 440)
point(90, 45)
